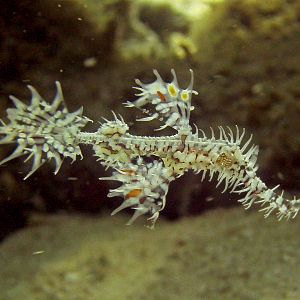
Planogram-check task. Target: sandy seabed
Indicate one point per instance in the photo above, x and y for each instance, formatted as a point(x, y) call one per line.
point(224, 254)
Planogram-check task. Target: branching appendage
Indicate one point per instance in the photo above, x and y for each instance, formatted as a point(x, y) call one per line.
point(144, 165)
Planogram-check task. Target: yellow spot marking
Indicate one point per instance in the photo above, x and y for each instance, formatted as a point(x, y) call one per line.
point(184, 96)
point(225, 160)
point(172, 90)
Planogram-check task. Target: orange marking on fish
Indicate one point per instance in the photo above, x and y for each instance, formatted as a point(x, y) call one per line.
point(129, 172)
point(133, 193)
point(161, 96)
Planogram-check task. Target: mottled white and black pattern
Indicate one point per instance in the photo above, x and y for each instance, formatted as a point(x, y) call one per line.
point(44, 131)
point(144, 165)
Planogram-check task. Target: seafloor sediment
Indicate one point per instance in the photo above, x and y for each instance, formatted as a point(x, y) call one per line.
point(224, 254)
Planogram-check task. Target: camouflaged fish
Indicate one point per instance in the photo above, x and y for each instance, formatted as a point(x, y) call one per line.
point(144, 165)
